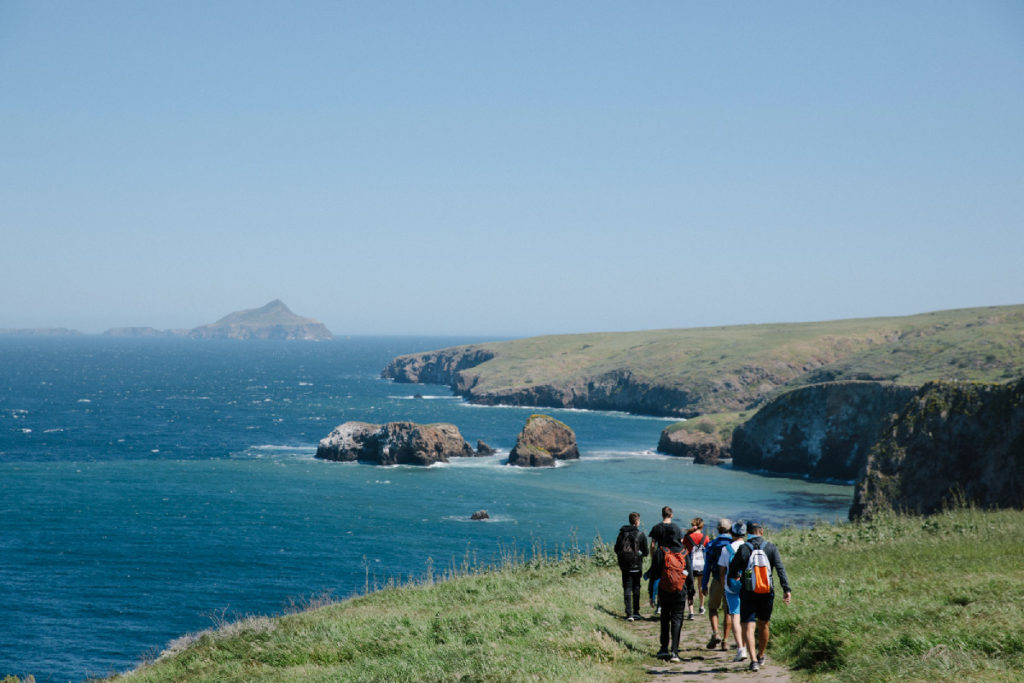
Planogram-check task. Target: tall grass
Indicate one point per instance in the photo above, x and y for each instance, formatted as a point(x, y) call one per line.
point(934, 598)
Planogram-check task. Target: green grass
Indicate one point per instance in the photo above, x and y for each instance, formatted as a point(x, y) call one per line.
point(721, 424)
point(726, 369)
point(899, 598)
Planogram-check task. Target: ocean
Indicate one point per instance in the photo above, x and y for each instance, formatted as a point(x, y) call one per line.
point(155, 487)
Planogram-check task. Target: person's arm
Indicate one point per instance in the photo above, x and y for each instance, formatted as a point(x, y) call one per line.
point(776, 559)
point(644, 549)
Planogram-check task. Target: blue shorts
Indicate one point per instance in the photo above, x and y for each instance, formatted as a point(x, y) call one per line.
point(732, 601)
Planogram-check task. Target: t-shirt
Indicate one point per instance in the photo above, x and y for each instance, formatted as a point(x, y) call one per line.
point(694, 538)
point(725, 556)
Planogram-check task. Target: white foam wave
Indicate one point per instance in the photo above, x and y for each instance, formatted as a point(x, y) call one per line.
point(555, 411)
point(84, 400)
point(426, 398)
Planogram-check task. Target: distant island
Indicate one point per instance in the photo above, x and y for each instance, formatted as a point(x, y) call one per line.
point(272, 321)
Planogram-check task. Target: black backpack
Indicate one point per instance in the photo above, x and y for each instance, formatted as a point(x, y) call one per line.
point(630, 554)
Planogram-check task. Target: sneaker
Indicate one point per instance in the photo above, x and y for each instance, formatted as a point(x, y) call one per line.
point(760, 660)
point(689, 617)
point(657, 611)
point(631, 617)
point(741, 654)
point(675, 658)
point(701, 611)
point(715, 640)
point(754, 665)
point(664, 654)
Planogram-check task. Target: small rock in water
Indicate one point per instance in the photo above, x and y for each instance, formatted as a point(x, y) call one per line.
point(418, 396)
point(480, 514)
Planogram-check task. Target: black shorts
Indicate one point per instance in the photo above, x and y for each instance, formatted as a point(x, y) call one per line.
point(756, 606)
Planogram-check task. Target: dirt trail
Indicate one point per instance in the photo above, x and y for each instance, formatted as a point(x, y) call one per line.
point(699, 663)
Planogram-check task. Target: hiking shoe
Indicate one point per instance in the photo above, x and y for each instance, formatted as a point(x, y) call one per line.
point(760, 661)
point(715, 640)
point(701, 611)
point(741, 654)
point(754, 666)
point(674, 658)
point(664, 654)
point(689, 617)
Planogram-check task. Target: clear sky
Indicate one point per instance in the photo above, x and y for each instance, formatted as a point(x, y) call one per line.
point(508, 169)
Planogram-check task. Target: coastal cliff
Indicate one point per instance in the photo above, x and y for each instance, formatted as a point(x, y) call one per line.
point(952, 443)
point(824, 430)
point(690, 372)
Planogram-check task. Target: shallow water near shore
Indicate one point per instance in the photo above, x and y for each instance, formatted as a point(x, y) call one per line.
point(149, 488)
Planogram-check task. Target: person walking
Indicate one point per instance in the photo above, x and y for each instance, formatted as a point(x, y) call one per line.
point(731, 588)
point(754, 562)
point(631, 549)
point(695, 543)
point(711, 585)
point(657, 535)
point(670, 567)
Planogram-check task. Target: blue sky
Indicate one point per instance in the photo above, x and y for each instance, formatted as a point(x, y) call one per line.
point(508, 169)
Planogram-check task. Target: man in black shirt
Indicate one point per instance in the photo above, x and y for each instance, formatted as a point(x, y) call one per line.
point(631, 549)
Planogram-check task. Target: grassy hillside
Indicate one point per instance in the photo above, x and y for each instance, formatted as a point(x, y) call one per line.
point(920, 598)
point(723, 369)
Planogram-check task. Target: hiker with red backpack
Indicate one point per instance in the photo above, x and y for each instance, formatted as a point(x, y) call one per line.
point(657, 535)
point(753, 563)
point(671, 568)
point(695, 542)
point(631, 549)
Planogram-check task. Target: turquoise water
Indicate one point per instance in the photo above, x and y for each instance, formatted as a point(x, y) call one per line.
point(151, 487)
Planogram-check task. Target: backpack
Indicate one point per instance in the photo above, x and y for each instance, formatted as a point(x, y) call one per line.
point(629, 555)
point(673, 578)
point(697, 556)
point(733, 585)
point(758, 576)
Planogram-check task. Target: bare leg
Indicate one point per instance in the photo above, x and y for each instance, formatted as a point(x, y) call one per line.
point(762, 638)
point(737, 629)
point(748, 636)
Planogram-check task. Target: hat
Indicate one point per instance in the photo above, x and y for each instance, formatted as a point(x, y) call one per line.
point(738, 529)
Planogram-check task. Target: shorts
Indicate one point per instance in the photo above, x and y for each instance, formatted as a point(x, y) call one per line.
point(716, 596)
point(754, 606)
point(732, 601)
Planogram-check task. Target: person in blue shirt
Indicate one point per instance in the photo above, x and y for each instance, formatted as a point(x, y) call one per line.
point(711, 585)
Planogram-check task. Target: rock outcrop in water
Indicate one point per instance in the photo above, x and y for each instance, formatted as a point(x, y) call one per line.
point(705, 448)
point(952, 443)
point(824, 431)
point(395, 443)
point(543, 441)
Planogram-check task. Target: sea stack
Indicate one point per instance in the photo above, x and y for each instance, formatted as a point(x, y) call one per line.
point(395, 443)
point(543, 441)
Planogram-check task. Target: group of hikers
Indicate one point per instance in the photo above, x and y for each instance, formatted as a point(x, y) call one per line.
point(732, 572)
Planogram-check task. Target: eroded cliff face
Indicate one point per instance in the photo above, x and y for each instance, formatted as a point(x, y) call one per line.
point(952, 443)
point(618, 390)
point(543, 441)
point(824, 431)
point(436, 367)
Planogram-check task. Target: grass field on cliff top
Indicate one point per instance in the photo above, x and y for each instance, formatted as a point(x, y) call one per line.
point(726, 368)
point(899, 598)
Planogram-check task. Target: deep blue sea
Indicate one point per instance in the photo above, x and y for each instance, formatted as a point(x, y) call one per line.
point(150, 487)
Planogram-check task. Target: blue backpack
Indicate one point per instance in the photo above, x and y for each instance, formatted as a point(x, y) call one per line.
point(732, 585)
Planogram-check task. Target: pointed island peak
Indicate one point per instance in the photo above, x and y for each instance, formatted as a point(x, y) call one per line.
point(271, 321)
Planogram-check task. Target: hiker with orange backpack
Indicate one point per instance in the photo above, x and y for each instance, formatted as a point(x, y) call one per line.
point(671, 568)
point(753, 563)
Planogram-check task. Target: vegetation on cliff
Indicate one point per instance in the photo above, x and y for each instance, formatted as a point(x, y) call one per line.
point(896, 598)
point(952, 442)
point(725, 369)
